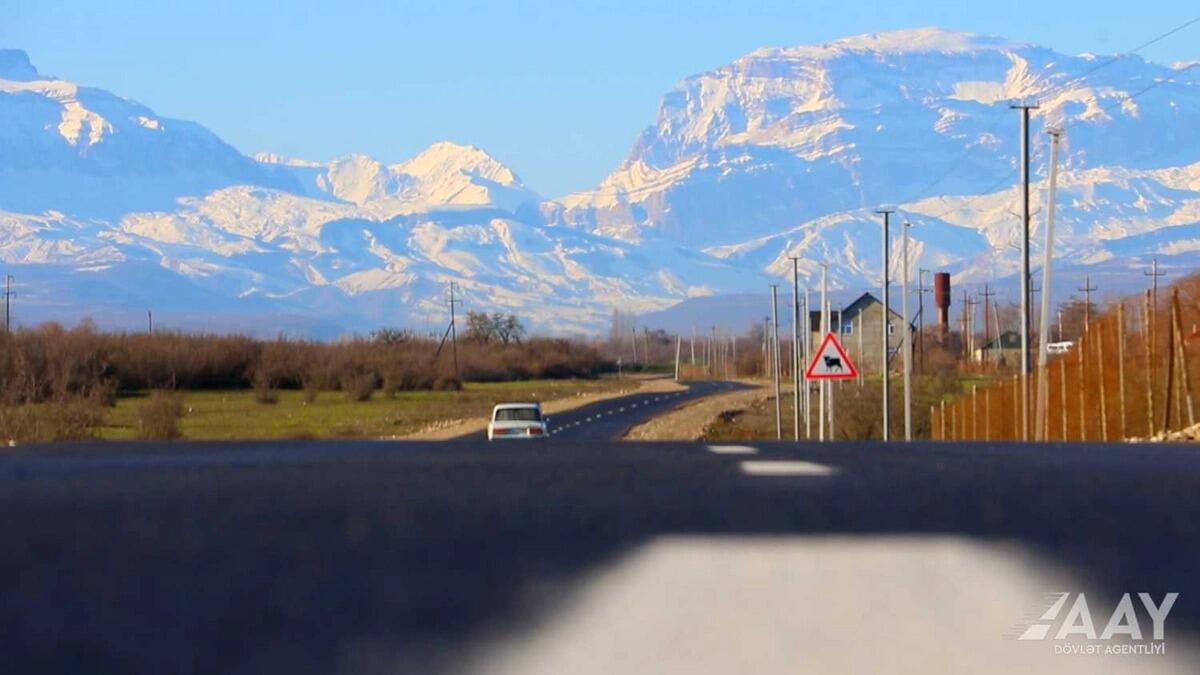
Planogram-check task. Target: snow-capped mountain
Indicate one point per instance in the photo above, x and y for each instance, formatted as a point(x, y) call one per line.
point(1103, 215)
point(784, 137)
point(87, 152)
point(785, 152)
point(444, 174)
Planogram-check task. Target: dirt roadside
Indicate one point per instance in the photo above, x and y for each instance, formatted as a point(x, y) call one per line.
point(690, 421)
point(453, 428)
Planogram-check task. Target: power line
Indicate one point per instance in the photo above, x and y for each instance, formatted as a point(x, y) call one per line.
point(989, 190)
point(1053, 91)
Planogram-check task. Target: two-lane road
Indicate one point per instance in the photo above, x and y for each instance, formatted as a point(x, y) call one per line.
point(609, 420)
point(587, 556)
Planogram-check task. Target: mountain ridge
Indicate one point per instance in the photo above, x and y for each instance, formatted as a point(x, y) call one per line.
point(783, 152)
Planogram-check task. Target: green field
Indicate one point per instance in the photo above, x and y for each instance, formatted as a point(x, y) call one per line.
point(234, 414)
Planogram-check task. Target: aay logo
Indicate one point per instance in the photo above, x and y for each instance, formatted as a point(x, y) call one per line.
point(1077, 620)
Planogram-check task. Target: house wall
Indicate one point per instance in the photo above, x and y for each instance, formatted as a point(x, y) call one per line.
point(872, 339)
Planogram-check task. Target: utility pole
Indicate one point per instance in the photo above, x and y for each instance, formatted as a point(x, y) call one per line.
point(964, 326)
point(716, 362)
point(1087, 300)
point(733, 354)
point(823, 385)
point(453, 331)
point(887, 317)
point(921, 291)
point(796, 347)
point(1025, 308)
point(678, 345)
point(1154, 275)
point(766, 341)
point(987, 321)
point(969, 305)
point(8, 296)
point(861, 357)
point(149, 322)
point(807, 358)
point(775, 364)
point(829, 385)
point(907, 333)
point(1042, 432)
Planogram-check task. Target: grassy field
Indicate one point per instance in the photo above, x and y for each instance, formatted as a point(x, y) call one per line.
point(857, 410)
point(754, 423)
point(234, 414)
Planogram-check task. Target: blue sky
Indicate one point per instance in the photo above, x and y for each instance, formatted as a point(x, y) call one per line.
point(557, 90)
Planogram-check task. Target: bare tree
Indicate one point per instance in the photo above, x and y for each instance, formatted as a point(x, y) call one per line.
point(480, 327)
point(507, 328)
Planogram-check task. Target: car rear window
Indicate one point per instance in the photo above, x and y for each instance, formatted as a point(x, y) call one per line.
point(518, 415)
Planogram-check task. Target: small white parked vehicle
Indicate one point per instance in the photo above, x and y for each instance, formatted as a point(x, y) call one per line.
point(1059, 347)
point(517, 421)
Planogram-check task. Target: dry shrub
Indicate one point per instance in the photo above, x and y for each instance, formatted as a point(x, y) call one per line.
point(103, 393)
point(311, 391)
point(447, 384)
point(358, 386)
point(264, 388)
point(859, 410)
point(71, 420)
point(159, 415)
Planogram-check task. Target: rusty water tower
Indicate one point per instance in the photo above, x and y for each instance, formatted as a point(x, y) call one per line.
point(941, 298)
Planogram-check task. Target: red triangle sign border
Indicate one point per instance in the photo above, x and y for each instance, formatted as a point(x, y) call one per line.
point(851, 371)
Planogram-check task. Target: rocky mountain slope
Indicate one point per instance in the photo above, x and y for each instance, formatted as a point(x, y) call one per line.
point(111, 209)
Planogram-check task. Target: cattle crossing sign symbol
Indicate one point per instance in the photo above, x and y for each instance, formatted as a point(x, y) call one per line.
point(830, 362)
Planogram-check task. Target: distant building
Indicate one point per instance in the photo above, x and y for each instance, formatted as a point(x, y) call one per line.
point(1003, 349)
point(859, 328)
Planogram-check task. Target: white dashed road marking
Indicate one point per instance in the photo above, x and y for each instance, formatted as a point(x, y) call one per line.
point(785, 468)
point(732, 450)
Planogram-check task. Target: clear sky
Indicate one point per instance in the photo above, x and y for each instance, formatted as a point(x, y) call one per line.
point(558, 90)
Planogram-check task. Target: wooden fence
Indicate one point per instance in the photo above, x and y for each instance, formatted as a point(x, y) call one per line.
point(1133, 373)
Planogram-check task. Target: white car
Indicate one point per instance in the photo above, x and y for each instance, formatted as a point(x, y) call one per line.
point(1059, 347)
point(517, 421)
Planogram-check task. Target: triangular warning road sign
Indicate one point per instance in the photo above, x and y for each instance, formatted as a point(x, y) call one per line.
point(830, 362)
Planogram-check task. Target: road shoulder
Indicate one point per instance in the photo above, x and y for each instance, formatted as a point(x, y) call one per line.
point(690, 421)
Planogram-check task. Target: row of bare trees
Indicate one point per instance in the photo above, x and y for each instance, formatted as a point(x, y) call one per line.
point(52, 363)
point(495, 327)
point(1133, 372)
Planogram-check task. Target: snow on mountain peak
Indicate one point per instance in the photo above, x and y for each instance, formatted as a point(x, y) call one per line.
point(785, 135)
point(912, 41)
point(443, 174)
point(445, 159)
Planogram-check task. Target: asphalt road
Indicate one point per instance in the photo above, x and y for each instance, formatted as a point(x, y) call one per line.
point(582, 556)
point(609, 420)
